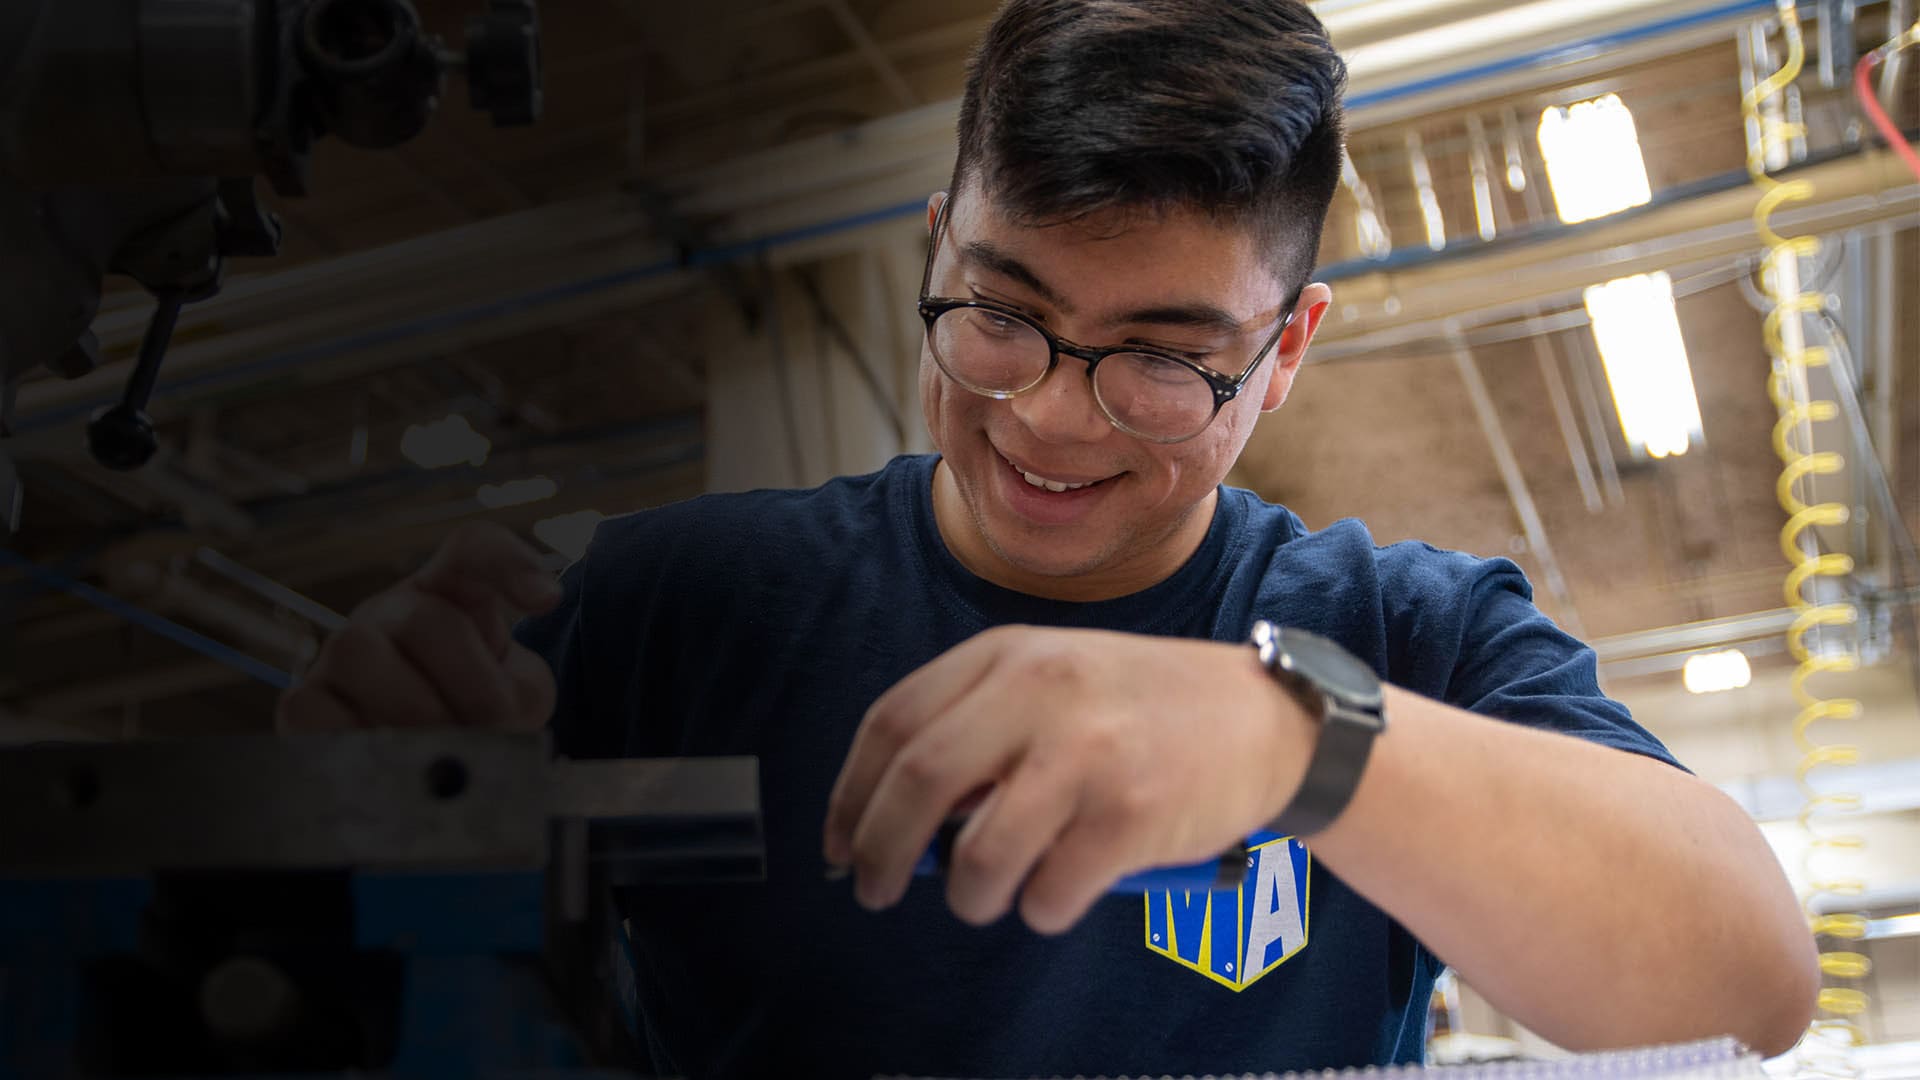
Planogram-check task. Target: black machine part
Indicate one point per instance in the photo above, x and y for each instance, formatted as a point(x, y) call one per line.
point(132, 134)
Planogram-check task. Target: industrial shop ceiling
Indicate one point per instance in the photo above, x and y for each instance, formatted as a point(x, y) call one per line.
point(734, 122)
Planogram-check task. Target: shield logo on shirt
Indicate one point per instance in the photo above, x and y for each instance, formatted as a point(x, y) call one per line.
point(1232, 937)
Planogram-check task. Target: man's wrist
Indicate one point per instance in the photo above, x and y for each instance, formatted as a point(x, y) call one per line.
point(1293, 731)
point(1343, 697)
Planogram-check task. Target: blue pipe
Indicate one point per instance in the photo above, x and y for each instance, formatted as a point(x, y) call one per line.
point(141, 617)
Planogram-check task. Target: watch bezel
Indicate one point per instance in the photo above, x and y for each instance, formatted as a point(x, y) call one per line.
point(1352, 691)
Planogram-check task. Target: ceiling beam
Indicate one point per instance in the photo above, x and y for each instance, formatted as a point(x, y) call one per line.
point(876, 57)
point(1518, 493)
point(783, 84)
point(1396, 307)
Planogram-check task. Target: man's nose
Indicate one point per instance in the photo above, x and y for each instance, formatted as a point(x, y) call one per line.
point(1062, 409)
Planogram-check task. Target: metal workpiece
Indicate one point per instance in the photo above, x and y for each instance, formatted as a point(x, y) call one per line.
point(328, 903)
point(377, 799)
point(369, 800)
point(665, 819)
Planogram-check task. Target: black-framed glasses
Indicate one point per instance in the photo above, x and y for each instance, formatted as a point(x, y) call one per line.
point(1001, 352)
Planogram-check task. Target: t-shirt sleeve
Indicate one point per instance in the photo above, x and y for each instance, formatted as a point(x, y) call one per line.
point(1516, 664)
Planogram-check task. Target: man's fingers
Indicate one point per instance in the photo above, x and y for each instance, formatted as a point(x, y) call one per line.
point(381, 687)
point(966, 748)
point(493, 574)
point(441, 640)
point(1002, 840)
point(892, 721)
point(1077, 870)
point(534, 691)
point(948, 678)
point(438, 648)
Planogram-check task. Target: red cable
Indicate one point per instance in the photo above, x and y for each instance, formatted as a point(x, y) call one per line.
point(1863, 88)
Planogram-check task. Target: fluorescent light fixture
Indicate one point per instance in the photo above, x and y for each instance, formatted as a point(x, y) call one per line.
point(1483, 201)
point(1430, 216)
point(516, 492)
point(450, 441)
point(1516, 169)
point(1593, 158)
point(1638, 332)
point(1369, 230)
point(1712, 672)
point(1429, 199)
point(569, 534)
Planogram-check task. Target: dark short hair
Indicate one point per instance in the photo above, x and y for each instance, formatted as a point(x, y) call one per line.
point(1079, 107)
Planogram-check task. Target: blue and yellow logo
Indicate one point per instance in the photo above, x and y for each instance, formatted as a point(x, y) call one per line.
point(1234, 938)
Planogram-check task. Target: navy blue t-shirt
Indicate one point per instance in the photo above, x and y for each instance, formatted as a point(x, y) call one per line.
point(765, 623)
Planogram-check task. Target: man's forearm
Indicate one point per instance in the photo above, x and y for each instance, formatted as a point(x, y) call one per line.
point(1598, 897)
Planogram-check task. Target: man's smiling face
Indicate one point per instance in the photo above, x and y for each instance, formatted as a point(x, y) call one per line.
point(1177, 282)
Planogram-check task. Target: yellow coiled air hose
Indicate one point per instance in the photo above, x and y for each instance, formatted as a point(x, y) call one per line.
point(1835, 1030)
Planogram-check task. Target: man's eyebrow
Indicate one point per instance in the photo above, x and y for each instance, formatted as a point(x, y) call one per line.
point(1194, 316)
point(1191, 316)
point(999, 262)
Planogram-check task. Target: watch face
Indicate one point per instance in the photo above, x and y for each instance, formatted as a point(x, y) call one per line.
point(1334, 668)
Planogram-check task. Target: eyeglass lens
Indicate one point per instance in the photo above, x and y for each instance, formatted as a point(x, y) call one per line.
point(1001, 356)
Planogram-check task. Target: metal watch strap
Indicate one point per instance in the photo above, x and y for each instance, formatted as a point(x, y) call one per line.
point(1339, 757)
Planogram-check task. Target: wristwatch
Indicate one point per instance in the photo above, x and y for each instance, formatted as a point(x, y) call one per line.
point(1345, 695)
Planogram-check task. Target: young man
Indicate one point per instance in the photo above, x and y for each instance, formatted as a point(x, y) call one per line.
point(1045, 628)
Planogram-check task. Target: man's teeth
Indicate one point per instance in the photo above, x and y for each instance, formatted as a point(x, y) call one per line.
point(1053, 485)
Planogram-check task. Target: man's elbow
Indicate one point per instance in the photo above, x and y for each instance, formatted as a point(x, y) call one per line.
point(1774, 973)
point(1781, 1016)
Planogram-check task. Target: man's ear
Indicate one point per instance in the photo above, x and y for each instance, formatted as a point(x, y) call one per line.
point(934, 202)
point(1292, 348)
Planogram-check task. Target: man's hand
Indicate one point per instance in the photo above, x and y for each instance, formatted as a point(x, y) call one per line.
point(1091, 755)
point(436, 650)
